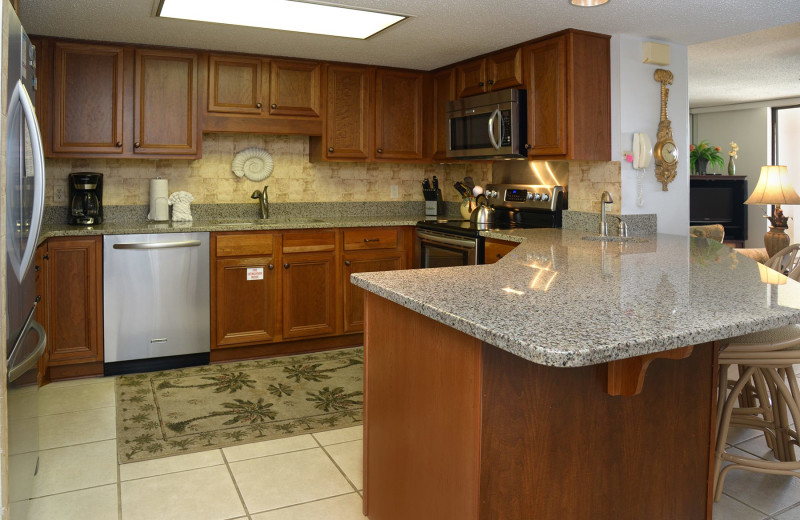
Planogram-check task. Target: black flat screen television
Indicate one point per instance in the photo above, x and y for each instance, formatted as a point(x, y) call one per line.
point(719, 199)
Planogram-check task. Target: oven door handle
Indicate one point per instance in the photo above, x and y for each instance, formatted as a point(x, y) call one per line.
point(435, 237)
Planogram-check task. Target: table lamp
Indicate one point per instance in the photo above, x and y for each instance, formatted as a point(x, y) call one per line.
point(774, 188)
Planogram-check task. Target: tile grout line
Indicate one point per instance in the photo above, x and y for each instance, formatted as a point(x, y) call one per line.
point(235, 484)
point(335, 464)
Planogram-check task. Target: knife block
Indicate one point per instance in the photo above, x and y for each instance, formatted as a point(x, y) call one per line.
point(434, 205)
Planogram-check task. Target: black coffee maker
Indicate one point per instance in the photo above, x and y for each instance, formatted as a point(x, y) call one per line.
point(85, 198)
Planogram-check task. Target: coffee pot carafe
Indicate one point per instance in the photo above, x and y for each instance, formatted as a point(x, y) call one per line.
point(86, 198)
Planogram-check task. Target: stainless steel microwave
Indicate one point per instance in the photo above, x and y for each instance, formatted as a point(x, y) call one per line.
point(488, 126)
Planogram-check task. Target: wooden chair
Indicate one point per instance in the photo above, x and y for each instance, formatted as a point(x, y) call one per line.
point(767, 390)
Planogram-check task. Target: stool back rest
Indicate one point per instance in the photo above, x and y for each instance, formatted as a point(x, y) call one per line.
point(787, 261)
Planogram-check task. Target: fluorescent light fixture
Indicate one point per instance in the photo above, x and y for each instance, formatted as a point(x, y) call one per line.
point(588, 3)
point(283, 15)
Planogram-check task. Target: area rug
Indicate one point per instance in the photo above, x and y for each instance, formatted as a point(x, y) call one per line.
point(172, 412)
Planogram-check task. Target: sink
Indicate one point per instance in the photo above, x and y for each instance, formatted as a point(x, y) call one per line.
point(598, 238)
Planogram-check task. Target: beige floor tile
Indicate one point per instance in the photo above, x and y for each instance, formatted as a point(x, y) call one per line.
point(737, 435)
point(349, 456)
point(274, 447)
point(68, 429)
point(198, 494)
point(22, 403)
point(21, 469)
point(288, 479)
point(79, 382)
point(99, 503)
point(353, 433)
point(23, 435)
point(792, 514)
point(151, 468)
point(766, 493)
point(729, 509)
point(76, 467)
point(62, 399)
point(345, 507)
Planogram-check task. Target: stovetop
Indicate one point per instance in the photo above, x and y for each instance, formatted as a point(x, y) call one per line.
point(503, 220)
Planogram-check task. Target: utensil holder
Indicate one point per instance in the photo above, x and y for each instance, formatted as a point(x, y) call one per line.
point(434, 205)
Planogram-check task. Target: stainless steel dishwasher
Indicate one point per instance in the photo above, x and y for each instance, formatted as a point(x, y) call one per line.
point(156, 311)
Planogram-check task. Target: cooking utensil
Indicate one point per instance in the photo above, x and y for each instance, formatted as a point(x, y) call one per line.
point(469, 182)
point(462, 189)
point(483, 214)
point(477, 190)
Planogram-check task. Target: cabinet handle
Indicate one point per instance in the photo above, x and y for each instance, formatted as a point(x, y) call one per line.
point(286, 266)
point(347, 262)
point(499, 255)
point(480, 83)
point(380, 150)
point(46, 256)
point(273, 105)
point(137, 144)
point(118, 144)
point(258, 105)
point(330, 150)
point(491, 82)
point(372, 240)
point(270, 267)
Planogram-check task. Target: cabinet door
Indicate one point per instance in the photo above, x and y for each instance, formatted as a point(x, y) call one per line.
point(246, 301)
point(398, 115)
point(294, 88)
point(309, 295)
point(87, 98)
point(547, 97)
point(234, 85)
point(471, 78)
point(365, 262)
point(165, 103)
point(444, 90)
point(74, 300)
point(494, 250)
point(347, 126)
point(504, 70)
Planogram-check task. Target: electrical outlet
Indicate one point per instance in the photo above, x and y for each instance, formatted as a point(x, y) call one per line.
point(60, 194)
point(394, 191)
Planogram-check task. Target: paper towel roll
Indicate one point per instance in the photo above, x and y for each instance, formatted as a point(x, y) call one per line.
point(159, 205)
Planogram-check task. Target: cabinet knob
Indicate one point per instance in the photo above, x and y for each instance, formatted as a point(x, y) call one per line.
point(527, 146)
point(37, 268)
point(270, 267)
point(480, 83)
point(46, 257)
point(499, 255)
point(491, 82)
point(118, 144)
point(273, 105)
point(372, 240)
point(137, 144)
point(258, 105)
point(380, 150)
point(347, 262)
point(286, 266)
point(330, 150)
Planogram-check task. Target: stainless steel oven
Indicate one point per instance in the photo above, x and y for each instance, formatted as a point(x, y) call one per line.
point(448, 250)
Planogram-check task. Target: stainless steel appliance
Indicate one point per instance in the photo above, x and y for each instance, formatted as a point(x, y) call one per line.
point(85, 198)
point(156, 301)
point(492, 125)
point(26, 339)
point(447, 243)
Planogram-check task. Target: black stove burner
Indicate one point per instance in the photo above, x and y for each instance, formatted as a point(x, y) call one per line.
point(503, 220)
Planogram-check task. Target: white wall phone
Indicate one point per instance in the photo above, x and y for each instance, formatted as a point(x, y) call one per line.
point(642, 155)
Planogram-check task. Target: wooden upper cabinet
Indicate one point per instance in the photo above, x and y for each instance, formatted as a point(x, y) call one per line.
point(471, 78)
point(347, 123)
point(294, 88)
point(495, 72)
point(444, 90)
point(87, 99)
point(234, 84)
point(398, 114)
point(569, 97)
point(165, 103)
point(547, 93)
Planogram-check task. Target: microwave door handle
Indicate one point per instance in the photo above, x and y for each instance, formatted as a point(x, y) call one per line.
point(495, 117)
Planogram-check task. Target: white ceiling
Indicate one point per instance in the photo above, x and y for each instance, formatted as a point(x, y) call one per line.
point(441, 32)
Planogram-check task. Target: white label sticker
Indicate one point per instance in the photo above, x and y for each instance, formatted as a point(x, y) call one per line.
point(255, 273)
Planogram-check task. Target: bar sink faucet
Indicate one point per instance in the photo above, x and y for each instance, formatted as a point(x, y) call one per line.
point(605, 198)
point(263, 201)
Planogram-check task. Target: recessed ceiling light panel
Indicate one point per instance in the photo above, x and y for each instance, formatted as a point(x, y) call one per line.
point(283, 15)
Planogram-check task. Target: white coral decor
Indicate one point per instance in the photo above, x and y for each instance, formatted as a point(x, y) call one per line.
point(180, 200)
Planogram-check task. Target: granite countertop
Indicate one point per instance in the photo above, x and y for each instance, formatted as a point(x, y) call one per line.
point(560, 299)
point(225, 224)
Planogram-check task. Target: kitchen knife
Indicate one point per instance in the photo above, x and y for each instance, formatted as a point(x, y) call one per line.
point(426, 184)
point(435, 183)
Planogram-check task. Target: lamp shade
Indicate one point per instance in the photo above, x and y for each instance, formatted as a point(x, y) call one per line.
point(774, 187)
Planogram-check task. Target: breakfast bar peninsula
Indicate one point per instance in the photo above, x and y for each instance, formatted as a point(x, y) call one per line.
point(573, 379)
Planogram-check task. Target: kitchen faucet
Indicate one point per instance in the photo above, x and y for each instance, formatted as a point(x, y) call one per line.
point(263, 201)
point(605, 198)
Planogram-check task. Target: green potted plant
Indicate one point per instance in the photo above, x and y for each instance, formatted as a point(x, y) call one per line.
point(703, 154)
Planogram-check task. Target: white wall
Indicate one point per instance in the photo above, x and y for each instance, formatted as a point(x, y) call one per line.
point(750, 129)
point(636, 107)
point(789, 156)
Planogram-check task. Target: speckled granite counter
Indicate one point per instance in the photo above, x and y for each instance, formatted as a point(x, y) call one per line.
point(559, 299)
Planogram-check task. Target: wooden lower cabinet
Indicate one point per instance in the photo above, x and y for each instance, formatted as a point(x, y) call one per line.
point(246, 301)
point(364, 262)
point(494, 250)
point(309, 294)
point(74, 296)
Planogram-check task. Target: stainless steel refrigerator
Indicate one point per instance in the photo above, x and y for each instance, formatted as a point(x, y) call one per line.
point(25, 337)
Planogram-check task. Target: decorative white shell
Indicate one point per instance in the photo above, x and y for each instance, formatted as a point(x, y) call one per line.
point(254, 163)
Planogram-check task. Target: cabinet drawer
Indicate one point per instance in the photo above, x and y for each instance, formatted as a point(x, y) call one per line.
point(309, 241)
point(239, 244)
point(370, 238)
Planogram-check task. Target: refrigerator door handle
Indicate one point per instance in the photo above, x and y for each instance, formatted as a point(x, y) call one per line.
point(21, 100)
point(16, 370)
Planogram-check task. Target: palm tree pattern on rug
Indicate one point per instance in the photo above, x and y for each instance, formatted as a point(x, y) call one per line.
point(199, 408)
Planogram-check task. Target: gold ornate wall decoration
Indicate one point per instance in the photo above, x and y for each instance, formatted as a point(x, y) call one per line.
point(665, 152)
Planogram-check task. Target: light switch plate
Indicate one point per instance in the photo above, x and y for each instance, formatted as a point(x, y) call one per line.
point(394, 191)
